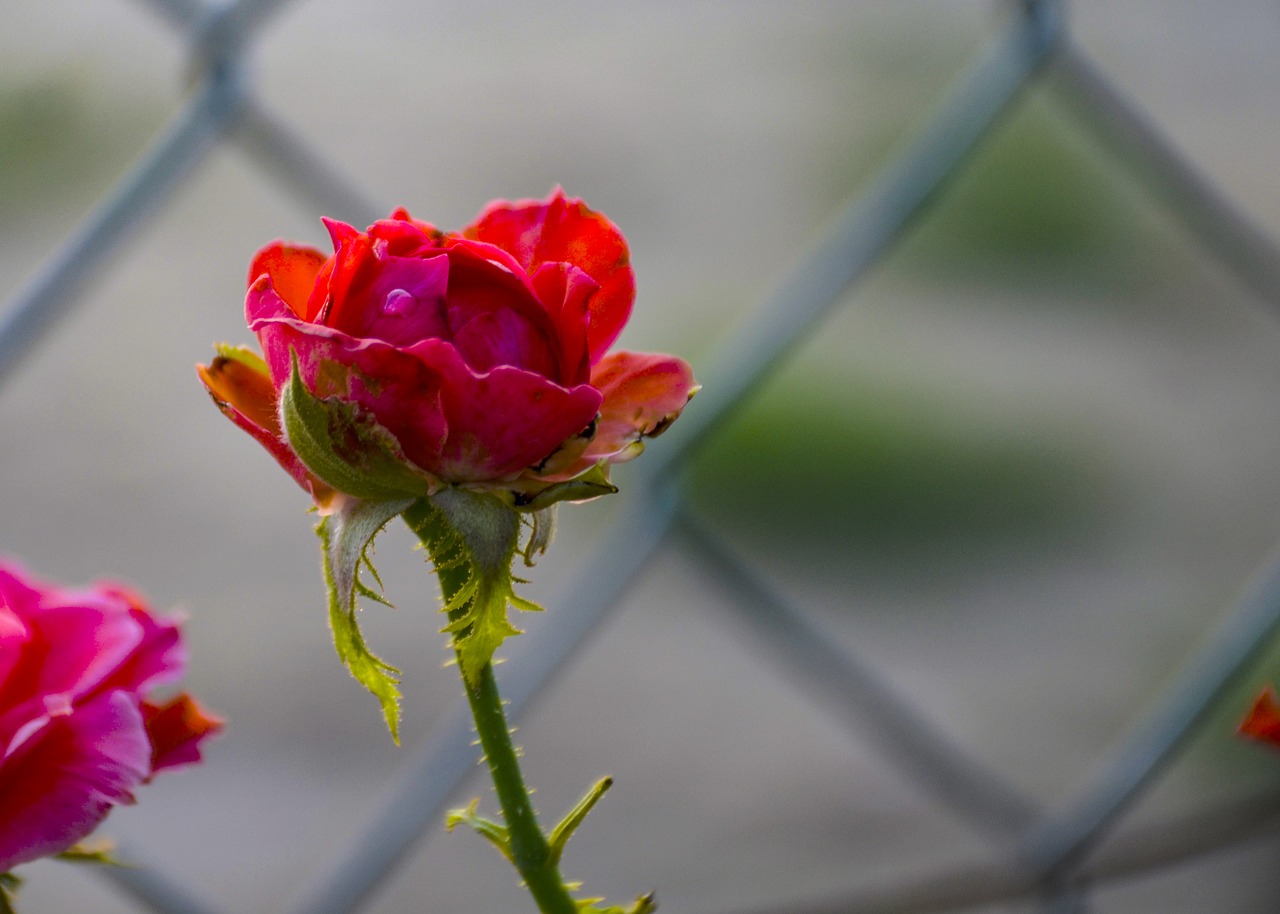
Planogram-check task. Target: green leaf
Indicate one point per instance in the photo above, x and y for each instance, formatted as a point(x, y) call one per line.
point(497, 834)
point(645, 904)
point(561, 834)
point(345, 449)
point(345, 537)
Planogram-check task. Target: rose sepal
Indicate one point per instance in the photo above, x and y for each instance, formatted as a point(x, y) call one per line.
point(345, 537)
point(472, 537)
point(344, 449)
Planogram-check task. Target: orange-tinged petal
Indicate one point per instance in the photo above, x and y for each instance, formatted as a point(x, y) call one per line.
point(293, 270)
point(1263, 720)
point(176, 730)
point(241, 388)
point(238, 383)
point(643, 394)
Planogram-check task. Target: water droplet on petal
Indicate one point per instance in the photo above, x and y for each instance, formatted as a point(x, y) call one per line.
point(398, 302)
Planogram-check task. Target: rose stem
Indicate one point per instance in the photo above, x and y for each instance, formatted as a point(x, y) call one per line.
point(529, 850)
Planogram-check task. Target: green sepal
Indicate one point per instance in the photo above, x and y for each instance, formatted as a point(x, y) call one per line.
point(591, 484)
point(472, 538)
point(497, 834)
point(84, 853)
point(345, 537)
point(244, 355)
point(9, 885)
point(542, 530)
point(346, 450)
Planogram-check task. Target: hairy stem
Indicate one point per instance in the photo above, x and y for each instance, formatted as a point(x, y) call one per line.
point(530, 851)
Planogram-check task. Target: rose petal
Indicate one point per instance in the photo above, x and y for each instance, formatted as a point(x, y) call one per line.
point(293, 270)
point(176, 730)
point(64, 780)
point(394, 388)
point(477, 287)
point(13, 635)
point(562, 230)
point(1263, 721)
point(643, 394)
point(566, 292)
point(246, 396)
point(503, 420)
point(403, 303)
point(159, 658)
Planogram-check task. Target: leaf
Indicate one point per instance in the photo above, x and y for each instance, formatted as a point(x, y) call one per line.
point(497, 834)
point(345, 537)
point(645, 904)
point(344, 449)
point(561, 834)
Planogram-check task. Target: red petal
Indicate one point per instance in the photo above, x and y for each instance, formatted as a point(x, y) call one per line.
point(1263, 721)
point(566, 292)
point(643, 394)
point(504, 420)
point(560, 230)
point(176, 730)
point(293, 270)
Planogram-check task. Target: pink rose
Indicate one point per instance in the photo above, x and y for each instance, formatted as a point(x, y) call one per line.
point(479, 358)
point(76, 732)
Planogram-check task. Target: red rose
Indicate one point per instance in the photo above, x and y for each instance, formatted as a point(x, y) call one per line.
point(427, 358)
point(77, 733)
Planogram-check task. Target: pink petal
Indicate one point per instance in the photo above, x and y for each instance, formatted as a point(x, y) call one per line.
point(66, 777)
point(479, 287)
point(160, 658)
point(404, 302)
point(561, 230)
point(504, 420)
point(643, 394)
point(395, 389)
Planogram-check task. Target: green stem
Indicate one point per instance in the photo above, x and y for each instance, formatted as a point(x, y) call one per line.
point(529, 849)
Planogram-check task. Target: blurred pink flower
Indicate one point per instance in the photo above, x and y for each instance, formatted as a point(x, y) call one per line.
point(76, 733)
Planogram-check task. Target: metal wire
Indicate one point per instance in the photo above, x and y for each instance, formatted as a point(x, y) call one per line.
point(1054, 860)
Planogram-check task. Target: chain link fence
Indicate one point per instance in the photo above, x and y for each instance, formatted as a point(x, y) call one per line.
point(1052, 856)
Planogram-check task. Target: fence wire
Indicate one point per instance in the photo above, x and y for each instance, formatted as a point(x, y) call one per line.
point(1048, 858)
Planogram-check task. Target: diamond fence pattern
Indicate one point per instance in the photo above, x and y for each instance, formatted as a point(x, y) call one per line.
point(1050, 856)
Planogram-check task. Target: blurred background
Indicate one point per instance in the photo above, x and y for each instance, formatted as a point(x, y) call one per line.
point(1023, 469)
